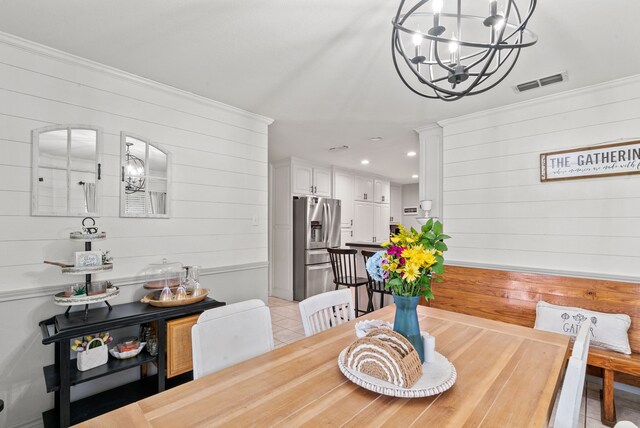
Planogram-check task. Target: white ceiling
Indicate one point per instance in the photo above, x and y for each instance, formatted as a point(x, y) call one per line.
point(321, 69)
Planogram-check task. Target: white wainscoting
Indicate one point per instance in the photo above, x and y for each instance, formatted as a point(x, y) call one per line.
point(220, 185)
point(499, 213)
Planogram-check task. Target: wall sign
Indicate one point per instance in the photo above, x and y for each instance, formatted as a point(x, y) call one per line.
point(588, 162)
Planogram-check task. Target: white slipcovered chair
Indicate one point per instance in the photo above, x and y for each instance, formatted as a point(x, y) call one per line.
point(568, 411)
point(230, 334)
point(326, 310)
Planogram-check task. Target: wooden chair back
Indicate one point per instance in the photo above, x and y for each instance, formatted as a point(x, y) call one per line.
point(230, 334)
point(568, 411)
point(512, 296)
point(326, 310)
point(377, 286)
point(343, 263)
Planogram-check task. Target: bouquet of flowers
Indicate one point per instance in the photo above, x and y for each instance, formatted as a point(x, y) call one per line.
point(80, 344)
point(410, 260)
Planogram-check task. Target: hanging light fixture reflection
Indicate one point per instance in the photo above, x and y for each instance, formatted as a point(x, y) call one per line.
point(451, 53)
point(133, 172)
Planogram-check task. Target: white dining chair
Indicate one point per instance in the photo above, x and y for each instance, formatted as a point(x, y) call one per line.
point(568, 411)
point(230, 334)
point(326, 310)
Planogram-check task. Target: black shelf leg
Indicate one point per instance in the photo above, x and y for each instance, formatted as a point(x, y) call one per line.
point(64, 395)
point(86, 313)
point(66, 313)
point(162, 356)
point(107, 303)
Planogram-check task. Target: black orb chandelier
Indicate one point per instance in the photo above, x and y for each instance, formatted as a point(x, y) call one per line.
point(443, 52)
point(134, 169)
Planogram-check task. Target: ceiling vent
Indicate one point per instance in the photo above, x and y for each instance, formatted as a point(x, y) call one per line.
point(339, 148)
point(544, 81)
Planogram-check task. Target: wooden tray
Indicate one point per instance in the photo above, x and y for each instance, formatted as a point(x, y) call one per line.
point(152, 299)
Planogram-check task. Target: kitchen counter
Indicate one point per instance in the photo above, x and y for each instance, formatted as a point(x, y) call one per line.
point(364, 244)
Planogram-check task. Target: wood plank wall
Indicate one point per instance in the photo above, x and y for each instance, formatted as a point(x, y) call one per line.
point(512, 296)
point(219, 168)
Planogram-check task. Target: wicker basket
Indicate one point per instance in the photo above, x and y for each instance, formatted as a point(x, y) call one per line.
point(389, 356)
point(92, 357)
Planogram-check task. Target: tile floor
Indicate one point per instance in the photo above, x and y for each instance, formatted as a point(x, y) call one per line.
point(286, 321)
point(287, 328)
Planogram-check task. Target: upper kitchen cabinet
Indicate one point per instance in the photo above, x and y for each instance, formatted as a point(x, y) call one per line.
point(381, 191)
point(396, 204)
point(310, 180)
point(343, 189)
point(322, 181)
point(364, 189)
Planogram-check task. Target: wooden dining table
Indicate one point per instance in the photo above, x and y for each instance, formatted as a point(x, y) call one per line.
point(508, 376)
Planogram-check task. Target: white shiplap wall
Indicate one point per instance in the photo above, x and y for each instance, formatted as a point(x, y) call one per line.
point(219, 187)
point(219, 169)
point(498, 211)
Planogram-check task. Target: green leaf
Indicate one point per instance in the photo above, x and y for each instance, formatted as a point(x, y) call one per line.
point(441, 246)
point(443, 236)
point(428, 294)
point(427, 226)
point(437, 228)
point(438, 268)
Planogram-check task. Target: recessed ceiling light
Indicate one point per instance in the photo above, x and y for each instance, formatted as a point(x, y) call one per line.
point(414, 176)
point(411, 154)
point(375, 139)
point(364, 161)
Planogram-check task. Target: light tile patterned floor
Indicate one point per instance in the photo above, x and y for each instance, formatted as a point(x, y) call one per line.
point(286, 321)
point(287, 328)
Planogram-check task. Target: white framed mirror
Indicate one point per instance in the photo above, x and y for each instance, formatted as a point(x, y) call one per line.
point(66, 171)
point(144, 178)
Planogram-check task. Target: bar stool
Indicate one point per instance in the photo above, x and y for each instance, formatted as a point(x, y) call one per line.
point(374, 286)
point(343, 263)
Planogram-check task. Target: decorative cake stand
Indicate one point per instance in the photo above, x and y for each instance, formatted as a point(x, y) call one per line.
point(87, 271)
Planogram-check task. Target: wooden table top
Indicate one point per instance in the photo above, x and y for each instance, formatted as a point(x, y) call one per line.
point(508, 376)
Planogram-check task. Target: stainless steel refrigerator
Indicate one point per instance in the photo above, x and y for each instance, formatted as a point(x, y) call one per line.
point(316, 227)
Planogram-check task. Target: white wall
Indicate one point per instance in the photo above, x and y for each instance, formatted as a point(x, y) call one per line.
point(219, 184)
point(410, 198)
point(499, 213)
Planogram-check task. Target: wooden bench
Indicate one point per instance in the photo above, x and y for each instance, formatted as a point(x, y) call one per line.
point(512, 296)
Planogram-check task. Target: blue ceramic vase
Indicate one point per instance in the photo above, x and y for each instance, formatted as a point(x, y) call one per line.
point(406, 321)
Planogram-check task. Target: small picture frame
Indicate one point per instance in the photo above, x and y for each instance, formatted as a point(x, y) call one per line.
point(88, 258)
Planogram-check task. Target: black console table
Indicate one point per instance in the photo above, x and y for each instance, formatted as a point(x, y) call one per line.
point(62, 375)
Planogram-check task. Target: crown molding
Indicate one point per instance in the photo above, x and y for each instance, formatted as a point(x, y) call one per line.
point(46, 51)
point(532, 102)
point(428, 128)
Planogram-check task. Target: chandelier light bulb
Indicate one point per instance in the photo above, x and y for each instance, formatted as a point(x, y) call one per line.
point(417, 39)
point(493, 7)
point(453, 45)
point(437, 6)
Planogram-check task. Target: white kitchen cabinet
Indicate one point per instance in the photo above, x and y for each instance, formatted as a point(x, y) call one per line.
point(363, 222)
point(381, 191)
point(346, 235)
point(322, 182)
point(364, 189)
point(395, 195)
point(343, 190)
point(310, 180)
point(381, 213)
point(302, 176)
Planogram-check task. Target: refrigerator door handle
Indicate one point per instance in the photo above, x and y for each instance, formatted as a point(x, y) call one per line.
point(326, 220)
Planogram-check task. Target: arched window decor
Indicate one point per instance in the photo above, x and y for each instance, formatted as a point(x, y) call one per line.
point(144, 178)
point(66, 171)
